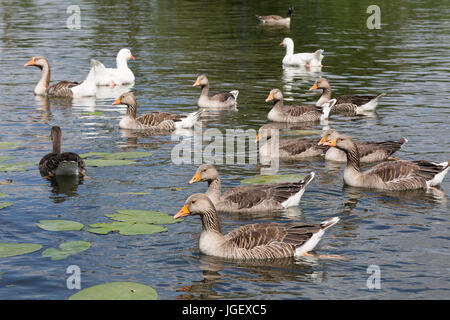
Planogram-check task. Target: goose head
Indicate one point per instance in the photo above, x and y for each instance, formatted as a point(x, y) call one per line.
point(264, 132)
point(291, 9)
point(287, 42)
point(320, 83)
point(275, 95)
point(125, 54)
point(344, 143)
point(202, 80)
point(38, 62)
point(206, 172)
point(329, 135)
point(196, 204)
point(128, 98)
point(56, 134)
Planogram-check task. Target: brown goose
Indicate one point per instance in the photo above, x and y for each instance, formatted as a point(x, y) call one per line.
point(57, 163)
point(391, 175)
point(222, 100)
point(155, 121)
point(369, 151)
point(277, 20)
point(62, 89)
point(252, 241)
point(289, 149)
point(353, 104)
point(255, 198)
point(296, 113)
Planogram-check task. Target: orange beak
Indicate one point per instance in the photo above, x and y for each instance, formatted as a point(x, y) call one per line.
point(182, 213)
point(314, 87)
point(322, 141)
point(258, 137)
point(331, 143)
point(195, 178)
point(197, 83)
point(29, 63)
point(117, 101)
point(281, 44)
point(132, 57)
point(269, 98)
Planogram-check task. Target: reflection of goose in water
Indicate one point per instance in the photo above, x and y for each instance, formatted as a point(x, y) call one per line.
point(211, 286)
point(67, 185)
point(106, 92)
point(298, 77)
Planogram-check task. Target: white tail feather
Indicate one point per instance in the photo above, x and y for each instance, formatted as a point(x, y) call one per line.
point(189, 121)
point(371, 105)
point(294, 200)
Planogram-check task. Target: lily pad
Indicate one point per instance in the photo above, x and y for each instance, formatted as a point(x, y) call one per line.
point(116, 291)
point(9, 145)
point(305, 132)
point(67, 248)
point(94, 113)
point(142, 216)
point(107, 162)
point(16, 166)
point(273, 179)
point(5, 204)
point(59, 225)
point(125, 228)
point(6, 158)
point(2, 195)
point(15, 249)
point(117, 155)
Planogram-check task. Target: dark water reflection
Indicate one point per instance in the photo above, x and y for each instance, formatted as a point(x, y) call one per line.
point(405, 234)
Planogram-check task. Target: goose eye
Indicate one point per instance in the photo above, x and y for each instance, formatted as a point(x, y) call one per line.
point(193, 202)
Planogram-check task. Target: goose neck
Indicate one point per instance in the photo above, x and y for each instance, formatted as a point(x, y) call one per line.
point(213, 191)
point(210, 221)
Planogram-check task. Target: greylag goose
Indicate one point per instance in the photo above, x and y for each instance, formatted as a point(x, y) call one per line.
point(291, 148)
point(369, 151)
point(296, 113)
point(304, 59)
point(115, 76)
point(275, 20)
point(155, 121)
point(62, 89)
point(255, 198)
point(57, 163)
point(222, 100)
point(268, 240)
point(354, 104)
point(392, 175)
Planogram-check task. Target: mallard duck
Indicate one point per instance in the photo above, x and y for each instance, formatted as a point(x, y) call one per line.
point(222, 100)
point(115, 76)
point(296, 113)
point(62, 89)
point(61, 164)
point(369, 151)
point(354, 104)
point(305, 59)
point(275, 20)
point(291, 148)
point(254, 198)
point(391, 175)
point(155, 121)
point(252, 241)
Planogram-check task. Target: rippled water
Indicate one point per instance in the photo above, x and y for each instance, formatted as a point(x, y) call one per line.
point(405, 234)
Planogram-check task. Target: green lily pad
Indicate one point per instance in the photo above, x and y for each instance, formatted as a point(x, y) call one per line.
point(107, 162)
point(142, 216)
point(9, 145)
point(125, 228)
point(5, 204)
point(2, 195)
point(117, 155)
point(94, 113)
point(137, 193)
point(17, 166)
point(273, 179)
point(6, 158)
point(59, 225)
point(305, 132)
point(15, 249)
point(67, 248)
point(116, 291)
